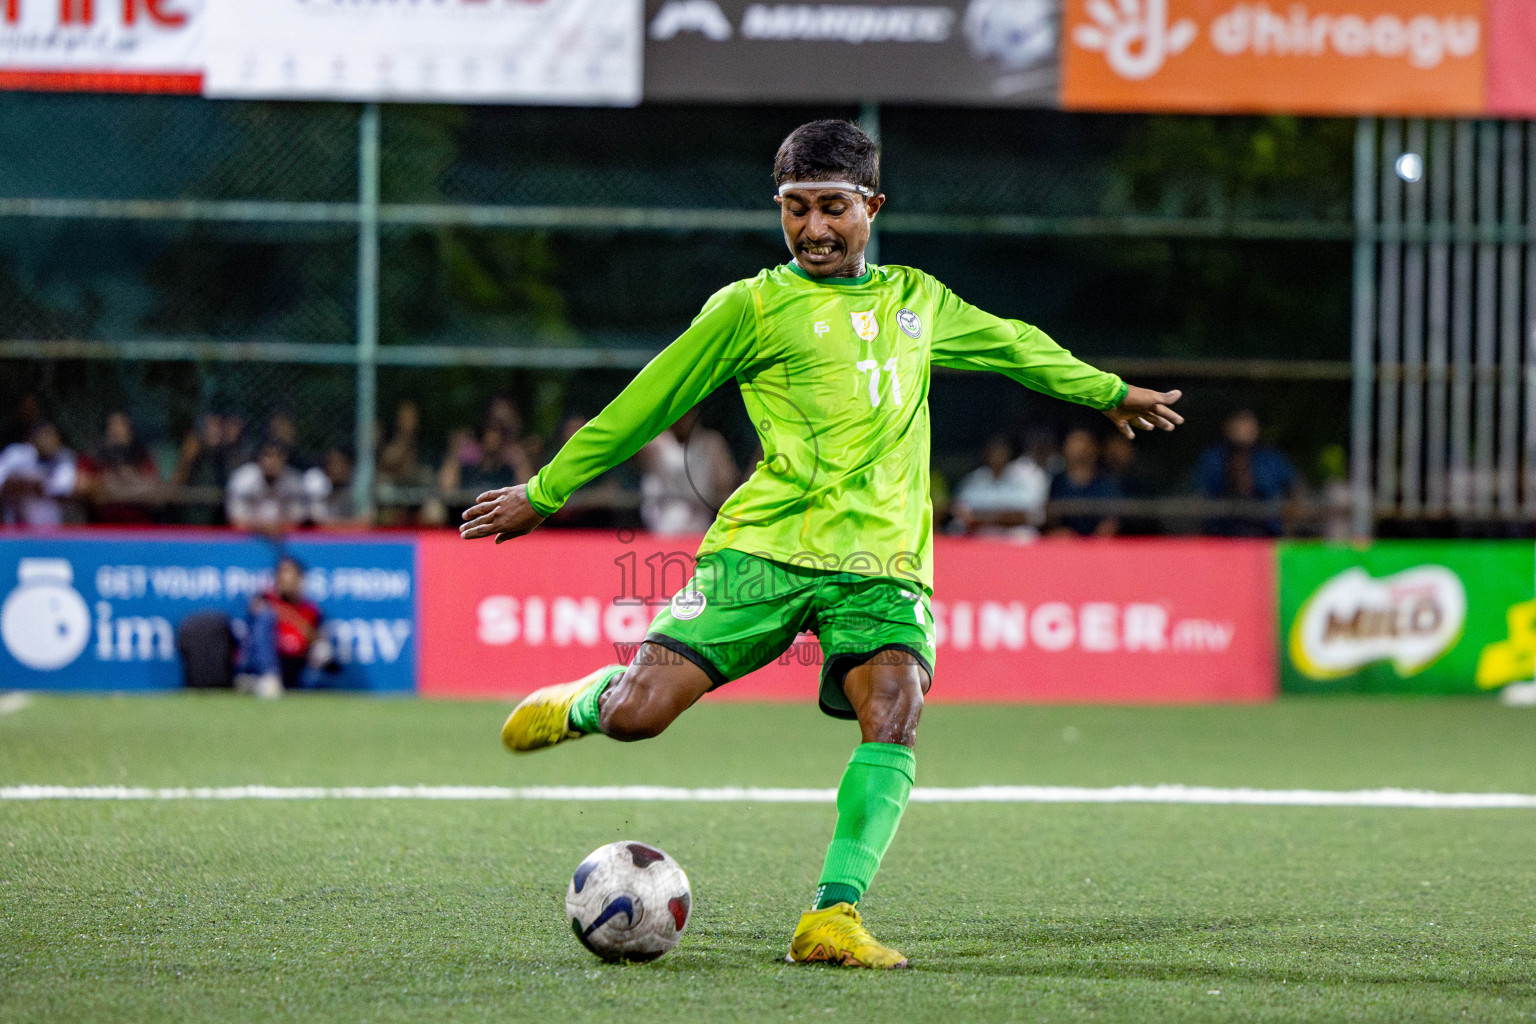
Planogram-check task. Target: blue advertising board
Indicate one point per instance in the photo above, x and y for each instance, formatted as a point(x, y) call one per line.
point(99, 612)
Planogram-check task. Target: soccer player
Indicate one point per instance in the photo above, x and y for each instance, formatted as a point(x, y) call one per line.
point(832, 532)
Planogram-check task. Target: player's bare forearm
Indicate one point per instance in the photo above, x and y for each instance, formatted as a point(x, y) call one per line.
point(1145, 409)
point(503, 513)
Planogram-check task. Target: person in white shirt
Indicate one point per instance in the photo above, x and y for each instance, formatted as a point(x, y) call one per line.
point(1005, 497)
point(687, 474)
point(36, 476)
point(268, 495)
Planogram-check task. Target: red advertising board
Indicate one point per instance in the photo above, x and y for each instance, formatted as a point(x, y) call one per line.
point(1134, 621)
point(1512, 58)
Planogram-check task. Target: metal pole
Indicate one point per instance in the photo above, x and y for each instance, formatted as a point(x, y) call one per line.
point(1362, 519)
point(1510, 335)
point(1413, 333)
point(1483, 439)
point(1389, 317)
point(1461, 326)
point(1439, 316)
point(1528, 459)
point(367, 306)
point(869, 120)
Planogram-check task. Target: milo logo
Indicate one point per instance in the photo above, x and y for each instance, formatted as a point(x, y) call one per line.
point(1411, 619)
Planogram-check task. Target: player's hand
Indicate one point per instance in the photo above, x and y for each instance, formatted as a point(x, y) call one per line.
point(503, 513)
point(1145, 409)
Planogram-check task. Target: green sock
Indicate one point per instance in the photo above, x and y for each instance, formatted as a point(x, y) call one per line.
point(584, 713)
point(870, 800)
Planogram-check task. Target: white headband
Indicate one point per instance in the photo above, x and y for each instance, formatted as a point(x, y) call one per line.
point(844, 186)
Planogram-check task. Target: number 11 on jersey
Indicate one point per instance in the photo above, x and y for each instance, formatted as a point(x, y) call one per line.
point(873, 368)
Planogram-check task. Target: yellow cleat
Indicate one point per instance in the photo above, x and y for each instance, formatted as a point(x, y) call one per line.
point(543, 718)
point(836, 935)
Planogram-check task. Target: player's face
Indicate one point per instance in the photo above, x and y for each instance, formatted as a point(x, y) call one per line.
point(827, 230)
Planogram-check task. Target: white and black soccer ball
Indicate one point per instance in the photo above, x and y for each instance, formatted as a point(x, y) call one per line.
point(628, 901)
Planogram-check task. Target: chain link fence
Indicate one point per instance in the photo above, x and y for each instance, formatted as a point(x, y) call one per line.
point(173, 257)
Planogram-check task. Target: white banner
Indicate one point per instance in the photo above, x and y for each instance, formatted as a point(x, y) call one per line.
point(108, 45)
point(492, 51)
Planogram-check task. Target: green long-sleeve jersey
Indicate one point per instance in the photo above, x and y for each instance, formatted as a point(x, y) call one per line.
point(834, 373)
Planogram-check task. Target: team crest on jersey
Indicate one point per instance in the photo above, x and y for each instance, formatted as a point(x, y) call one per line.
point(909, 323)
point(687, 604)
point(865, 325)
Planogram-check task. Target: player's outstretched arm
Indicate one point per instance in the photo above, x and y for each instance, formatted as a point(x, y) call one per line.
point(1145, 409)
point(503, 513)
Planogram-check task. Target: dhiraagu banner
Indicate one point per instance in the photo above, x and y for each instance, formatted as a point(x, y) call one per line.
point(1407, 617)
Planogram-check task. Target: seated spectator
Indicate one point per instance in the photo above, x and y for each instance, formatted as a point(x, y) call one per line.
point(399, 458)
point(1120, 464)
point(1242, 467)
point(24, 418)
point(282, 429)
point(608, 502)
point(282, 646)
point(329, 489)
point(686, 474)
point(1004, 497)
point(472, 467)
point(209, 453)
point(1082, 478)
point(36, 477)
point(120, 478)
point(268, 495)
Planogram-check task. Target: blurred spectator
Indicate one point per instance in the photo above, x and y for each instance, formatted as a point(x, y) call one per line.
point(24, 419)
point(606, 503)
point(119, 477)
point(1333, 468)
point(36, 477)
point(1040, 447)
point(400, 457)
point(328, 487)
point(282, 429)
point(686, 474)
point(210, 452)
point(1242, 467)
point(282, 647)
point(1120, 465)
point(1083, 478)
point(503, 413)
point(1006, 496)
point(400, 465)
point(268, 495)
point(472, 466)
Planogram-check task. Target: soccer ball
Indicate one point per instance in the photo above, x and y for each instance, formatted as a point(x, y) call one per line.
point(628, 901)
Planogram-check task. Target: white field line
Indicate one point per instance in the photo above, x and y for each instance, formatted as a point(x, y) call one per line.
point(1168, 794)
point(10, 703)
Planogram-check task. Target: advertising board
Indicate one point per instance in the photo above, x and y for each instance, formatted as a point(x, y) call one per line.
point(1512, 58)
point(1407, 617)
point(102, 45)
point(1131, 622)
point(1422, 57)
point(979, 52)
point(100, 612)
point(506, 51)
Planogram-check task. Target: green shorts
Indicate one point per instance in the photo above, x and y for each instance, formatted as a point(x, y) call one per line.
point(740, 612)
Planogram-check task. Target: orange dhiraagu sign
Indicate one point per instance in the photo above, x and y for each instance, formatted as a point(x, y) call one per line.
point(1298, 56)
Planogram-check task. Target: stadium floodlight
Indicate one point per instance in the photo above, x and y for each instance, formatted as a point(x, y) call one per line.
point(1410, 167)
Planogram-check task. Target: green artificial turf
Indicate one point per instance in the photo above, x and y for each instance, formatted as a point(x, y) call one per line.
point(423, 911)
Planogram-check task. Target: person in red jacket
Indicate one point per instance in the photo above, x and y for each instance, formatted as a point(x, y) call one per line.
point(282, 631)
